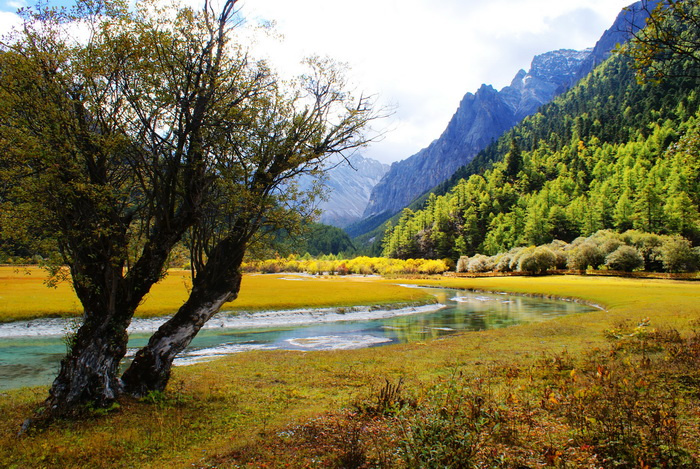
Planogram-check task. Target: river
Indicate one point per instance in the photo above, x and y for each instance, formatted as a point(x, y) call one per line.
point(30, 351)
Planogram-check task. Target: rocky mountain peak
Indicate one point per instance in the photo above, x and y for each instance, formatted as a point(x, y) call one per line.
point(558, 66)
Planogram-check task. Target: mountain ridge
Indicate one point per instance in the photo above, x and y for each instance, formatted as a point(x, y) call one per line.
point(480, 118)
point(628, 20)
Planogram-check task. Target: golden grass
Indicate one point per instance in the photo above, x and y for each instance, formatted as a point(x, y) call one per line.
point(212, 413)
point(24, 295)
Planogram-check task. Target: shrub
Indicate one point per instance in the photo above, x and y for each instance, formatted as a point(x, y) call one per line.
point(677, 255)
point(648, 245)
point(433, 267)
point(480, 263)
point(607, 241)
point(559, 249)
point(446, 430)
point(462, 263)
point(584, 255)
point(515, 254)
point(625, 258)
point(537, 260)
point(502, 263)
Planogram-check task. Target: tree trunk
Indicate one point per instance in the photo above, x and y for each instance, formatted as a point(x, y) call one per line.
point(150, 370)
point(89, 372)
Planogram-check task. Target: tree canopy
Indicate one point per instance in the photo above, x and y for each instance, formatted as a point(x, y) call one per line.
point(669, 46)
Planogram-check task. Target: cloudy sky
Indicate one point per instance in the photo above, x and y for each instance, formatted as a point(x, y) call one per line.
point(421, 56)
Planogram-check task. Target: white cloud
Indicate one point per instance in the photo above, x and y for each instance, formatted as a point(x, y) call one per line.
point(15, 5)
point(422, 55)
point(8, 21)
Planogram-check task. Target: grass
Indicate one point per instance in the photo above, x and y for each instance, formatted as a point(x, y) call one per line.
point(515, 389)
point(24, 295)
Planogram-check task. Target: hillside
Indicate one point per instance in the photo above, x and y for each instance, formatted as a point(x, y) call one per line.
point(608, 154)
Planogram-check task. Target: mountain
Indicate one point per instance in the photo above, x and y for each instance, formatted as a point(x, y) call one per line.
point(349, 185)
point(480, 118)
point(484, 116)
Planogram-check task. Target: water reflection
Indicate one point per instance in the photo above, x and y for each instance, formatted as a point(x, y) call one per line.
point(28, 361)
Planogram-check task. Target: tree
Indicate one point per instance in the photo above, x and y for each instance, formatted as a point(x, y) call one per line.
point(155, 128)
point(669, 45)
point(290, 136)
point(513, 160)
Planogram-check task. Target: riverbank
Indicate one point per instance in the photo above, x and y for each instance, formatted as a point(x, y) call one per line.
point(275, 408)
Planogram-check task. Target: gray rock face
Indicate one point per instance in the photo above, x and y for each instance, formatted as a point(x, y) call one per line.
point(480, 118)
point(349, 186)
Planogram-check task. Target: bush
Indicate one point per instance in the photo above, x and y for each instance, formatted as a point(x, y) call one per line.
point(433, 267)
point(677, 255)
point(515, 254)
point(648, 245)
point(462, 263)
point(584, 255)
point(446, 430)
point(537, 260)
point(625, 258)
point(502, 263)
point(480, 263)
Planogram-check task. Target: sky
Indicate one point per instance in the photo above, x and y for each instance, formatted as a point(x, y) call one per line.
point(418, 57)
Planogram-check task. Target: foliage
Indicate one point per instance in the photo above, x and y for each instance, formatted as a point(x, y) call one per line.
point(479, 263)
point(605, 249)
point(361, 265)
point(669, 45)
point(585, 255)
point(624, 258)
point(623, 405)
point(462, 263)
point(446, 430)
point(677, 255)
point(537, 260)
point(325, 239)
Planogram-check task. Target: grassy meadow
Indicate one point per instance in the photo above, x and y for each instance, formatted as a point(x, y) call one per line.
point(24, 294)
point(618, 387)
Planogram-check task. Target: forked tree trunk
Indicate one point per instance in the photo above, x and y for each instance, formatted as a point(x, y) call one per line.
point(150, 370)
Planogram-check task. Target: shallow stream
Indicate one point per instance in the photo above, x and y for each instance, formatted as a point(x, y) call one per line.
point(30, 351)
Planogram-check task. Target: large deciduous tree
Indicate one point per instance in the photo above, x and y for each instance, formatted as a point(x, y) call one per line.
point(153, 126)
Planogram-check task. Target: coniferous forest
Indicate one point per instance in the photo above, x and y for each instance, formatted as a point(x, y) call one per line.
point(610, 154)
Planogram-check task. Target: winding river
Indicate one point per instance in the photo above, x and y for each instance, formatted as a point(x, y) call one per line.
point(30, 351)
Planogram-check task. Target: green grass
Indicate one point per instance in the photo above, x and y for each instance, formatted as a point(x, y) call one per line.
point(24, 295)
point(272, 408)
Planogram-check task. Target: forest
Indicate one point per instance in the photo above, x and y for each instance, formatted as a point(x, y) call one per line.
point(610, 154)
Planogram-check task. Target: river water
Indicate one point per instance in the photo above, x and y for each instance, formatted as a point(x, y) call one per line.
point(30, 351)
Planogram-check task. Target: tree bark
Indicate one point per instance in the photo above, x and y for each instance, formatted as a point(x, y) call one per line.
point(89, 373)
